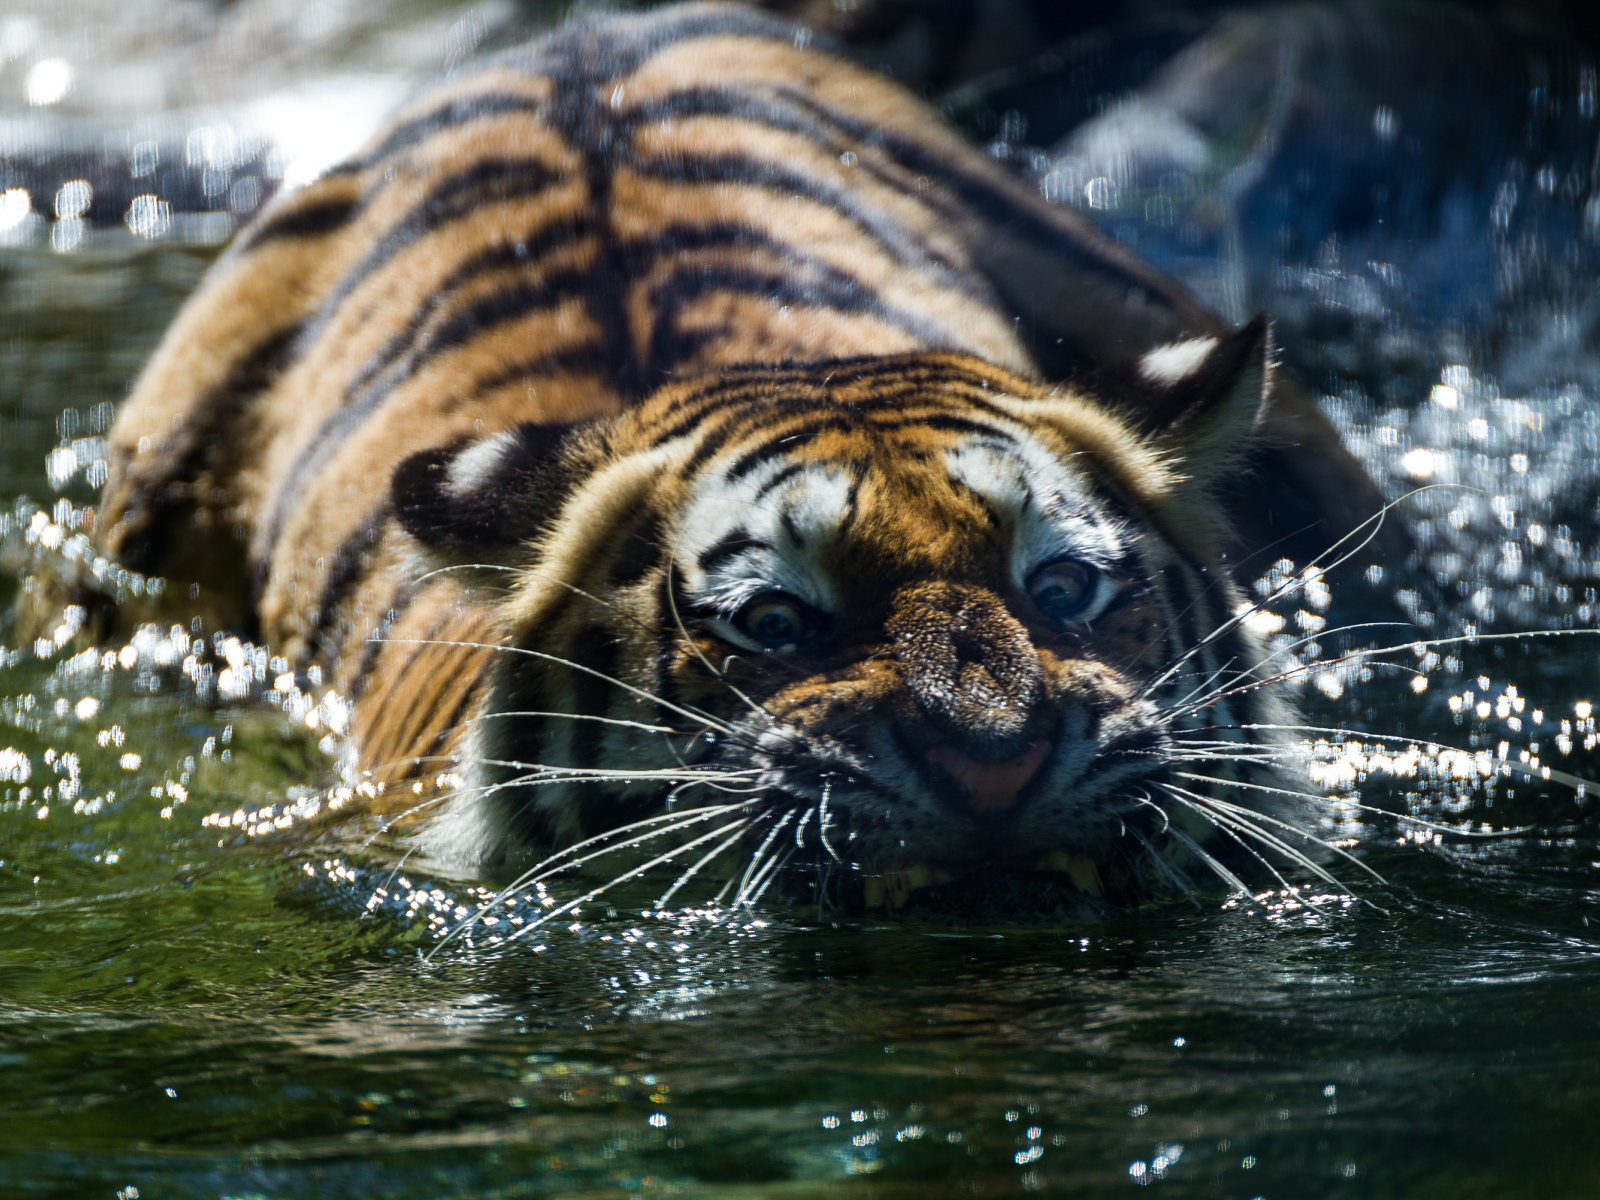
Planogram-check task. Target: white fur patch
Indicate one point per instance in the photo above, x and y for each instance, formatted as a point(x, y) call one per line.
point(475, 466)
point(797, 522)
point(1048, 507)
point(1177, 361)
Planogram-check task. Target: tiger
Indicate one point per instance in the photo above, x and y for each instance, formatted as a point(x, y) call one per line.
point(670, 405)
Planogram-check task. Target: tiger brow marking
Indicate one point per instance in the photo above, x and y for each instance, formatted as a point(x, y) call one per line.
point(789, 438)
point(730, 546)
point(778, 479)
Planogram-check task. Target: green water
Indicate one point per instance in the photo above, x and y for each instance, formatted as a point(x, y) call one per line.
point(191, 1011)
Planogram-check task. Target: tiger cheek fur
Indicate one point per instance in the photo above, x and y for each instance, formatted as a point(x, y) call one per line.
point(657, 411)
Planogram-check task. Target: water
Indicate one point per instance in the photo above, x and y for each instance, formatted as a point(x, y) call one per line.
point(200, 998)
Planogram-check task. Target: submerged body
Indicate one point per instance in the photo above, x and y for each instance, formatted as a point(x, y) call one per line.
point(665, 404)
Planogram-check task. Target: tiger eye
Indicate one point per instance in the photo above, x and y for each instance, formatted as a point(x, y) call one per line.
point(1062, 590)
point(773, 621)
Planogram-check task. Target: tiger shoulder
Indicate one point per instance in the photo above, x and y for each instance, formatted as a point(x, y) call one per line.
point(669, 411)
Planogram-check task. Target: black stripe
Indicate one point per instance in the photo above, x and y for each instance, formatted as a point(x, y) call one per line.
point(587, 357)
point(638, 550)
point(872, 220)
point(458, 196)
point(461, 111)
point(348, 569)
point(399, 603)
point(824, 288)
point(469, 694)
point(338, 426)
point(596, 648)
point(779, 478)
point(788, 440)
point(155, 510)
point(730, 546)
point(944, 423)
point(307, 220)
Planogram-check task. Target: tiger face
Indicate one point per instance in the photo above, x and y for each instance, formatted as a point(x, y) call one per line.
point(922, 614)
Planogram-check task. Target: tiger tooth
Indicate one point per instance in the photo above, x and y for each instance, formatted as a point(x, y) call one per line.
point(1080, 868)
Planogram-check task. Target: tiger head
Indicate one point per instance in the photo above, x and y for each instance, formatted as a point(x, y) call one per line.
point(911, 615)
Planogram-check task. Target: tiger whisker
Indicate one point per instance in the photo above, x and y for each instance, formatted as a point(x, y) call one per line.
point(530, 877)
point(445, 570)
point(692, 871)
point(776, 865)
point(1163, 868)
point(625, 876)
point(546, 867)
point(1249, 822)
point(760, 852)
point(1253, 816)
point(800, 829)
point(541, 771)
point(702, 718)
point(1210, 860)
point(1229, 831)
point(1293, 584)
point(1202, 685)
point(822, 823)
point(1375, 520)
point(441, 798)
point(639, 725)
point(1166, 817)
point(1227, 821)
point(672, 603)
point(748, 895)
point(1188, 706)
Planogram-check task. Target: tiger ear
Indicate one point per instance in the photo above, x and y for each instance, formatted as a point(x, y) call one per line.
point(474, 505)
point(1198, 399)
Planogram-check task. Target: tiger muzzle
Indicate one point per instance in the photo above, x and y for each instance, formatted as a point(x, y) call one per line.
point(979, 691)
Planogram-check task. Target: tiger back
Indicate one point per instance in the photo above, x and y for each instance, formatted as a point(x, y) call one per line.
point(639, 252)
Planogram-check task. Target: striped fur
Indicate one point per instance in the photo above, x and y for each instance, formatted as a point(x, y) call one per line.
point(646, 321)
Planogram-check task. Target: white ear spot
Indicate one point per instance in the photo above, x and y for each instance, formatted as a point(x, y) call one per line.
point(1175, 362)
point(474, 466)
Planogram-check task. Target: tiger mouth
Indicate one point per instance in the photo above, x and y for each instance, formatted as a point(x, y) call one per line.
point(893, 889)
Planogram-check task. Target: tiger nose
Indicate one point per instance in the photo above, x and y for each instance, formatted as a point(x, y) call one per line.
point(991, 787)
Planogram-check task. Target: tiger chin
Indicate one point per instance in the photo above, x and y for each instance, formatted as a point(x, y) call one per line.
point(651, 433)
point(935, 627)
